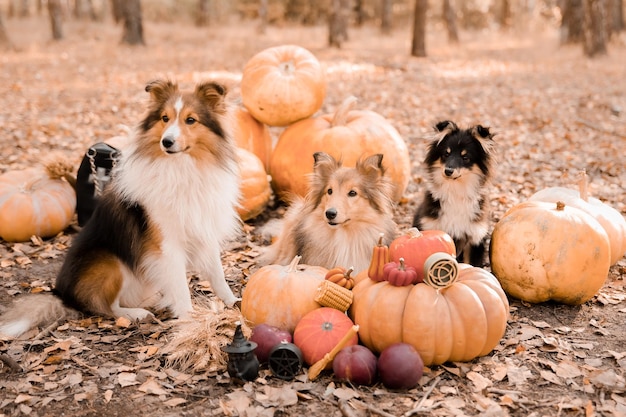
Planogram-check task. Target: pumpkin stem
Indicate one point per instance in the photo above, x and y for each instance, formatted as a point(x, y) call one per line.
point(582, 185)
point(380, 239)
point(413, 232)
point(58, 167)
point(560, 206)
point(341, 114)
point(401, 267)
point(293, 266)
point(348, 272)
point(287, 67)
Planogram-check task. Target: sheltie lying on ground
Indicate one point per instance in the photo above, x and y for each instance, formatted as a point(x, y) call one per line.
point(339, 221)
point(171, 204)
point(458, 167)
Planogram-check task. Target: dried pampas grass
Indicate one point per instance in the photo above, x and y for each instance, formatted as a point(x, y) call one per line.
point(196, 345)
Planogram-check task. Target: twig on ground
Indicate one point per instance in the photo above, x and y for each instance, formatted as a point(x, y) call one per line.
point(418, 407)
point(11, 363)
point(45, 332)
point(599, 129)
point(346, 409)
point(371, 408)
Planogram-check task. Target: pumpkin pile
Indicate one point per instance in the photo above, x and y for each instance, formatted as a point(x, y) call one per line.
point(36, 202)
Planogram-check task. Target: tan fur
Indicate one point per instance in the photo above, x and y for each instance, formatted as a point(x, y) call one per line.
point(360, 198)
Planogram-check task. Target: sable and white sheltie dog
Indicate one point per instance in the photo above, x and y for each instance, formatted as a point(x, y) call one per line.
point(170, 205)
point(458, 167)
point(340, 219)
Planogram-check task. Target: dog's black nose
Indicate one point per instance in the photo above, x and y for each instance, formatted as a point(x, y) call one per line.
point(331, 213)
point(448, 171)
point(167, 142)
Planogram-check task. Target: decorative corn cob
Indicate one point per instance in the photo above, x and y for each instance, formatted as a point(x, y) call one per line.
point(333, 295)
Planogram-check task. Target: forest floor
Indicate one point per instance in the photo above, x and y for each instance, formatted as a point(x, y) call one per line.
point(554, 111)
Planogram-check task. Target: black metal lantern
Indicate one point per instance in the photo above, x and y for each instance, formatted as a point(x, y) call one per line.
point(242, 362)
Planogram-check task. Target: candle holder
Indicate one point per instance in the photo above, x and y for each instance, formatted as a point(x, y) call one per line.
point(242, 362)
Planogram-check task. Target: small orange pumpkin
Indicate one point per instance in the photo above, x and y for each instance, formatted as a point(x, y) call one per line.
point(347, 135)
point(280, 295)
point(253, 136)
point(36, 202)
point(380, 258)
point(283, 84)
point(254, 187)
point(341, 276)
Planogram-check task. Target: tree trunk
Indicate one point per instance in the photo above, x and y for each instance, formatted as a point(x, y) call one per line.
point(117, 10)
point(202, 17)
point(359, 12)
point(504, 14)
point(449, 15)
point(338, 23)
point(618, 16)
point(386, 15)
point(418, 46)
point(56, 19)
point(572, 13)
point(5, 43)
point(133, 26)
point(263, 16)
point(594, 42)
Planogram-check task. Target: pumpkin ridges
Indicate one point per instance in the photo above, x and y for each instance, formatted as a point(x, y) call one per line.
point(391, 301)
point(550, 267)
point(469, 324)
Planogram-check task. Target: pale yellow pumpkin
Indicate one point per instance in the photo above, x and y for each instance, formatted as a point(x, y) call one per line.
point(611, 220)
point(549, 251)
point(280, 295)
point(254, 187)
point(36, 202)
point(345, 134)
point(283, 84)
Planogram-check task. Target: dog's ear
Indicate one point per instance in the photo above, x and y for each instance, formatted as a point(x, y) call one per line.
point(160, 90)
point(213, 95)
point(324, 163)
point(372, 165)
point(484, 137)
point(446, 127)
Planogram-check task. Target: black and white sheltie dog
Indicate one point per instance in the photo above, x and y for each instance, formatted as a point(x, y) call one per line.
point(339, 221)
point(458, 166)
point(170, 205)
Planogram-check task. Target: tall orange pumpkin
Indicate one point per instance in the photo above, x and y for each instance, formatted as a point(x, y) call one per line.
point(255, 187)
point(36, 202)
point(283, 84)
point(347, 135)
point(254, 136)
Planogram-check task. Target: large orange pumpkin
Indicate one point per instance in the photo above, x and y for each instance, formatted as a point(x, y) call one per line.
point(457, 319)
point(549, 251)
point(255, 187)
point(280, 295)
point(254, 136)
point(283, 84)
point(611, 220)
point(347, 135)
point(36, 201)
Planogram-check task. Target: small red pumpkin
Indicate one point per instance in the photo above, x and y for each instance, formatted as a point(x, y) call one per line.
point(319, 331)
point(416, 246)
point(398, 274)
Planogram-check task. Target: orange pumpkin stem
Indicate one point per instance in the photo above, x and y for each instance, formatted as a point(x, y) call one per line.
point(341, 114)
point(380, 239)
point(560, 206)
point(583, 185)
point(413, 232)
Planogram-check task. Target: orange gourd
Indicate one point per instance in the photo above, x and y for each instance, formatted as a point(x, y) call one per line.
point(341, 276)
point(36, 201)
point(254, 187)
point(416, 246)
point(380, 258)
point(457, 318)
point(280, 295)
point(610, 219)
point(253, 136)
point(549, 251)
point(283, 84)
point(347, 135)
